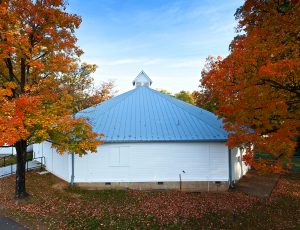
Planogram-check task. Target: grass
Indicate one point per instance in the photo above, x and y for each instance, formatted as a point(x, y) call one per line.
point(12, 159)
point(8, 160)
point(54, 205)
point(294, 162)
point(105, 196)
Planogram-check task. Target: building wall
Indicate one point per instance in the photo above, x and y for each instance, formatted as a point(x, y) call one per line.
point(154, 162)
point(12, 150)
point(142, 165)
point(55, 163)
point(8, 151)
point(238, 166)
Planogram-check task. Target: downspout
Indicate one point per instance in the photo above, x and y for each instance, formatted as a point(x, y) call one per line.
point(72, 163)
point(72, 173)
point(241, 162)
point(231, 185)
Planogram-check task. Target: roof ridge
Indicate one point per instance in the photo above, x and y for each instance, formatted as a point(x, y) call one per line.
point(171, 100)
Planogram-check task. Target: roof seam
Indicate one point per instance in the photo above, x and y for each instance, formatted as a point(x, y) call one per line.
point(145, 115)
point(111, 107)
point(169, 99)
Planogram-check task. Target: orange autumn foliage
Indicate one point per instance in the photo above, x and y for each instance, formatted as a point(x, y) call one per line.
point(39, 81)
point(257, 86)
point(38, 57)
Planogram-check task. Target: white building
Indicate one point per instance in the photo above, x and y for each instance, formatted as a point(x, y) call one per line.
point(7, 151)
point(12, 150)
point(152, 141)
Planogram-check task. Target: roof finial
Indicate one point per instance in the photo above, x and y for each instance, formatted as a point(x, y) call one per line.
point(142, 80)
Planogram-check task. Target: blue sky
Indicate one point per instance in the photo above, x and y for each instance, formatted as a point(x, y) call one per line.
point(168, 39)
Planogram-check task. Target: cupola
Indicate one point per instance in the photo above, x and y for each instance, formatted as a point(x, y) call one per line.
point(142, 79)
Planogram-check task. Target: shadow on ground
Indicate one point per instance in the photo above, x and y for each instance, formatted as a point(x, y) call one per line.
point(257, 184)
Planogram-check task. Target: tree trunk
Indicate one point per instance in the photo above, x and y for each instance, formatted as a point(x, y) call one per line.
point(20, 173)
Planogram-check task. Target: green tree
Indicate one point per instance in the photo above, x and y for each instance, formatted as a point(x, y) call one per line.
point(203, 99)
point(185, 96)
point(164, 91)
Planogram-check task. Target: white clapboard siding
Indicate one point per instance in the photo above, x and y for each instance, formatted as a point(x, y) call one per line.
point(8, 151)
point(150, 162)
point(12, 150)
point(55, 163)
point(238, 166)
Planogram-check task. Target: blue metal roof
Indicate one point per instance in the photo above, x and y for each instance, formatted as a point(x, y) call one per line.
point(146, 115)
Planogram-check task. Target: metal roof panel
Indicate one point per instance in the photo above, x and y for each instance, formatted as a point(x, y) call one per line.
point(144, 114)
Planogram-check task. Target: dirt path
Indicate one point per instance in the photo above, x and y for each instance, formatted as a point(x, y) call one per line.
point(256, 184)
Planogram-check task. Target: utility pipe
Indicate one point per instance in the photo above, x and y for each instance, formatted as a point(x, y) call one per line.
point(230, 169)
point(72, 173)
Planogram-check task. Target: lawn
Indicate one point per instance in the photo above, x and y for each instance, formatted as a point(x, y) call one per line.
point(296, 164)
point(7, 160)
point(53, 205)
point(12, 159)
point(294, 161)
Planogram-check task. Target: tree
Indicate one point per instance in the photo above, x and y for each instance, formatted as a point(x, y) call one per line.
point(99, 94)
point(81, 86)
point(257, 86)
point(185, 96)
point(39, 80)
point(204, 99)
point(164, 91)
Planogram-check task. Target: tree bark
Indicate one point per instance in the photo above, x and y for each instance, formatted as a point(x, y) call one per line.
point(21, 147)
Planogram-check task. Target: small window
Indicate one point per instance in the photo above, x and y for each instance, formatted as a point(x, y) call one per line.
point(160, 183)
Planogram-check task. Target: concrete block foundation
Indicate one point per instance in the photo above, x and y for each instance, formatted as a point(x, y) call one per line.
point(186, 186)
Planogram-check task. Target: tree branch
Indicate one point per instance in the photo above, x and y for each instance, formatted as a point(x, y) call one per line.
point(42, 55)
point(23, 75)
point(277, 85)
point(10, 68)
point(4, 76)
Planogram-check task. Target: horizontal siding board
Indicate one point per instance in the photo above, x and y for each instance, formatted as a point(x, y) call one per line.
point(56, 163)
point(152, 162)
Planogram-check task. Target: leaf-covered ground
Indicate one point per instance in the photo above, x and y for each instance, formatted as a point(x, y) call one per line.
point(54, 206)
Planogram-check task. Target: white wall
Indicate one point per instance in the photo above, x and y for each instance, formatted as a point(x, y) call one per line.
point(8, 151)
point(55, 163)
point(238, 166)
point(146, 162)
point(12, 150)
